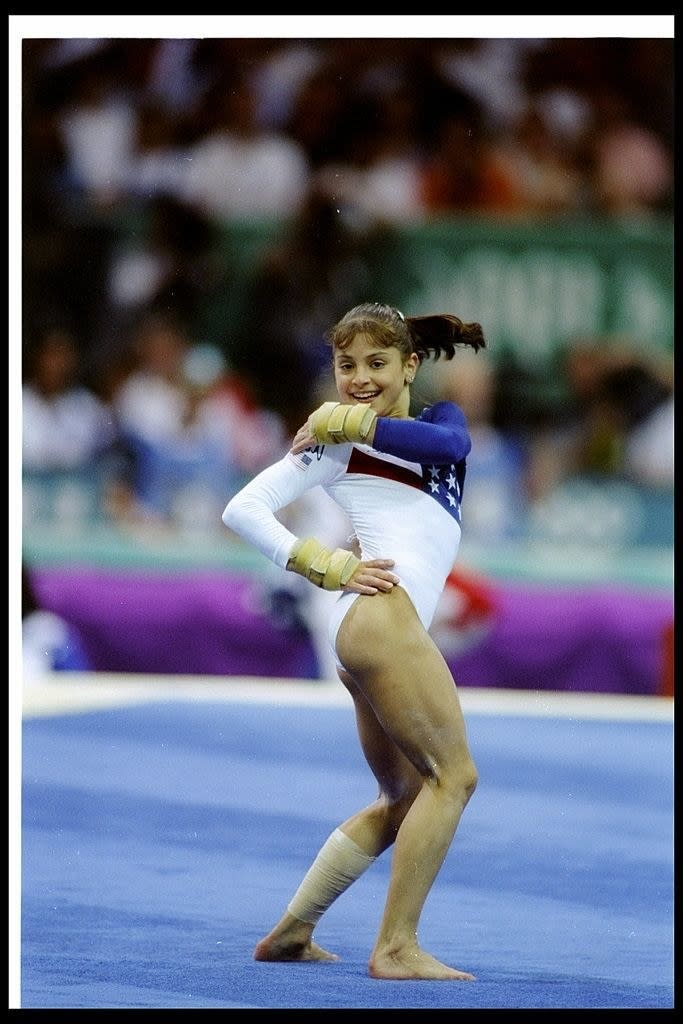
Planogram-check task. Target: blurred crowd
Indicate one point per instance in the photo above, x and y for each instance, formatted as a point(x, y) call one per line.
point(400, 128)
point(135, 152)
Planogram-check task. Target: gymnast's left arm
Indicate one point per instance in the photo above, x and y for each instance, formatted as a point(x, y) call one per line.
point(439, 435)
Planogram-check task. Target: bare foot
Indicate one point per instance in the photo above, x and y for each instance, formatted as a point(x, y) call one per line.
point(413, 964)
point(291, 940)
point(290, 950)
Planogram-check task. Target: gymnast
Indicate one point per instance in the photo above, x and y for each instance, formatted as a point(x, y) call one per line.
point(399, 479)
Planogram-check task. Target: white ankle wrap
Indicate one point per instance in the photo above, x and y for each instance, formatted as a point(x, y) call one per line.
point(339, 863)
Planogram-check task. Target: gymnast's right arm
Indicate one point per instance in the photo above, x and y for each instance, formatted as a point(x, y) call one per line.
point(251, 515)
point(251, 512)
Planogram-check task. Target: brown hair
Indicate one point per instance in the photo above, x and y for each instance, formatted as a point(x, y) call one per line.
point(434, 335)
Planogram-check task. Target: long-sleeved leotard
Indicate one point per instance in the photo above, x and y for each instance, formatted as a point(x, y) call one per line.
point(402, 496)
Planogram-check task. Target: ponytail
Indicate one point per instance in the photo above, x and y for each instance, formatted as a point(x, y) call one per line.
point(440, 333)
point(434, 335)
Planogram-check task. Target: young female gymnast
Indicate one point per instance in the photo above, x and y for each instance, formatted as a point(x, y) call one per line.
point(400, 482)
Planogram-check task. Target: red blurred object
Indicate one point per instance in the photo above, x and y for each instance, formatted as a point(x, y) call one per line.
point(667, 688)
point(465, 613)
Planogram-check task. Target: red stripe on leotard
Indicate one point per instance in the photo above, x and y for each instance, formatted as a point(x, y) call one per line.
point(361, 462)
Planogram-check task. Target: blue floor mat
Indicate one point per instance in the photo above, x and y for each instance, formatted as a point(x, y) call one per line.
point(160, 842)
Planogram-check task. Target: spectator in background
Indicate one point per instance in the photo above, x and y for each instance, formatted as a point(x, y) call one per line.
point(177, 77)
point(381, 173)
point(98, 125)
point(497, 500)
point(394, 95)
point(463, 173)
point(66, 426)
point(538, 158)
point(49, 642)
point(640, 404)
point(253, 434)
point(175, 264)
point(617, 420)
point(235, 169)
point(317, 116)
point(64, 257)
point(492, 73)
point(188, 427)
point(158, 161)
point(529, 166)
point(278, 78)
point(632, 166)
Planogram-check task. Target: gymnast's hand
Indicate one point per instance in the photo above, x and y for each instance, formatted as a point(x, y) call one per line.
point(373, 577)
point(388, 578)
point(303, 439)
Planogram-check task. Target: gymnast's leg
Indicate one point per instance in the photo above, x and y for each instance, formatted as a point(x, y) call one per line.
point(351, 848)
point(434, 776)
point(410, 688)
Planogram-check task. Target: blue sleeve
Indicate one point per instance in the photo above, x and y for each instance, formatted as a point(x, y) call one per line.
point(439, 435)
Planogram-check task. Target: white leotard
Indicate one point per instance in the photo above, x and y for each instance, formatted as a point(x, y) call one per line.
point(403, 510)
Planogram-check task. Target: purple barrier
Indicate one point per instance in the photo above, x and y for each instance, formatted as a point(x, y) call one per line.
point(607, 640)
point(602, 640)
point(192, 623)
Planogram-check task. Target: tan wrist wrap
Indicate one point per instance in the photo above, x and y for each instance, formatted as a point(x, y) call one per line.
point(335, 423)
point(330, 570)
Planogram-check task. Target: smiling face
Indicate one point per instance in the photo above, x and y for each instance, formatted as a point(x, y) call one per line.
point(368, 373)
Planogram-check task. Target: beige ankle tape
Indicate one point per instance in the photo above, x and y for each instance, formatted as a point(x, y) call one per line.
point(338, 864)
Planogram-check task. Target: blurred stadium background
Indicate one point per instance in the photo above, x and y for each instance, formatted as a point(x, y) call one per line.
point(196, 210)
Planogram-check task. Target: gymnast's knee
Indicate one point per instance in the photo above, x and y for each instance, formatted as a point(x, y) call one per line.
point(459, 781)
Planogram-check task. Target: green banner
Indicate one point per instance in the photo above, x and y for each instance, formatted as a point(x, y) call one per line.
point(533, 286)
